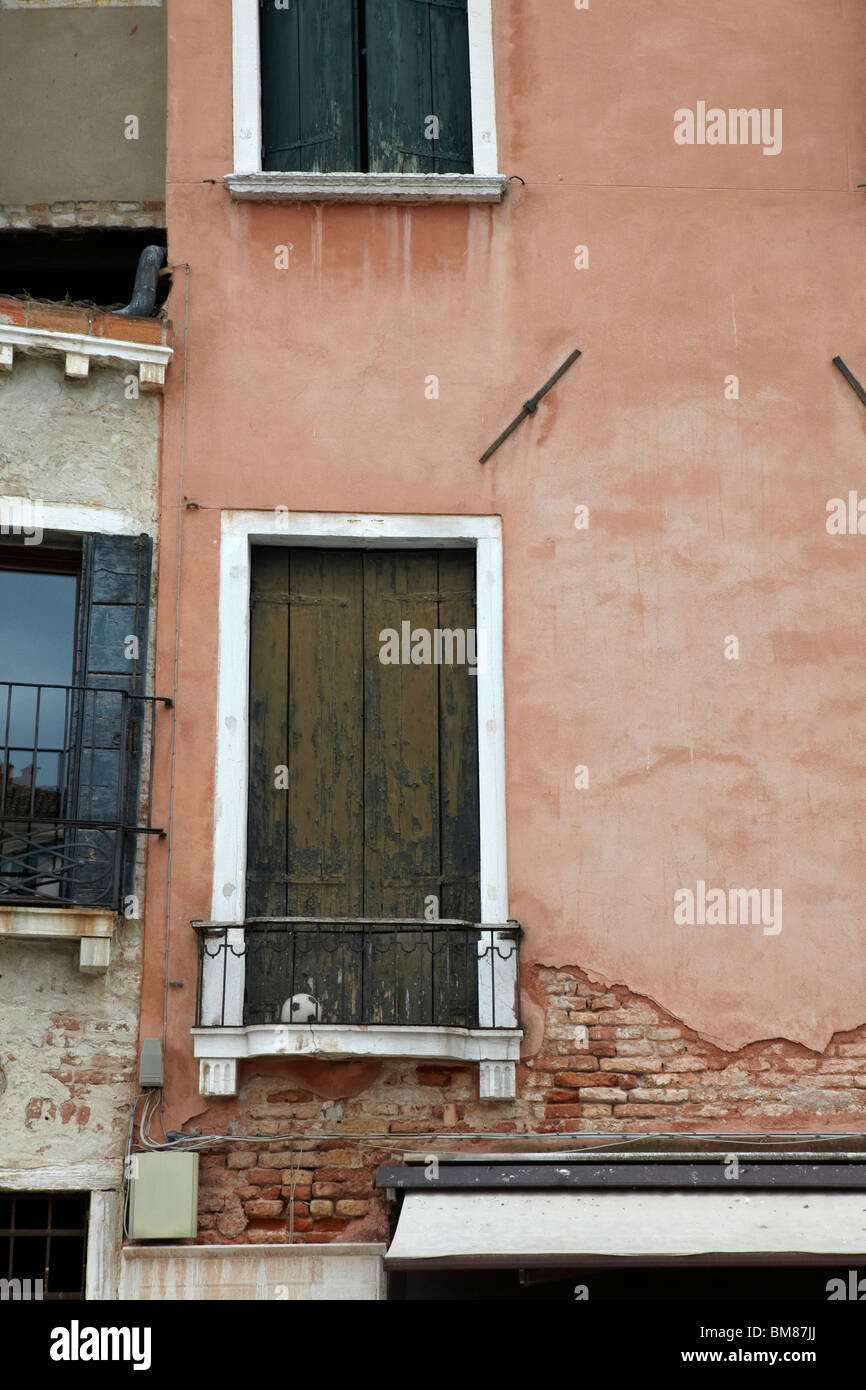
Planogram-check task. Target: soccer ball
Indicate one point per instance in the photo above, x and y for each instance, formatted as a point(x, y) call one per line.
point(301, 1008)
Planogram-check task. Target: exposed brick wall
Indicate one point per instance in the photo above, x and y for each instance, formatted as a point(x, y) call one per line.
point(642, 1069)
point(610, 1062)
point(68, 1048)
point(73, 318)
point(21, 217)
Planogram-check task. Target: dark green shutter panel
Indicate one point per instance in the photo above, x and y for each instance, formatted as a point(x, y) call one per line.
point(309, 84)
point(418, 67)
point(115, 594)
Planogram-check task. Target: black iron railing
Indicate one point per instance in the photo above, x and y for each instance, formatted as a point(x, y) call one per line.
point(361, 971)
point(71, 800)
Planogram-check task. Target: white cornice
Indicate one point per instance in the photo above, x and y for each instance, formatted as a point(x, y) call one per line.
point(114, 351)
point(79, 349)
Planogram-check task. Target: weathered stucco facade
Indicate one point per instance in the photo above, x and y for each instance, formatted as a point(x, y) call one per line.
point(682, 633)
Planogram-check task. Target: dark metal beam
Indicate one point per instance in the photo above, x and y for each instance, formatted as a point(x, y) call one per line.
point(681, 1176)
point(850, 378)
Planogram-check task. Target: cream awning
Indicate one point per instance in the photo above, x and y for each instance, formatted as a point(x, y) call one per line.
point(544, 1228)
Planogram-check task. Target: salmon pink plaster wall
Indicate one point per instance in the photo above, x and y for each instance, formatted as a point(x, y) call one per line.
point(306, 389)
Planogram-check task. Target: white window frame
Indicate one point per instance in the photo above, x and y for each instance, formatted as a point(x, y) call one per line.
point(248, 181)
point(219, 1048)
point(92, 927)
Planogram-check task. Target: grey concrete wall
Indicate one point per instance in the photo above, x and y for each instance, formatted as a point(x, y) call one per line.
point(78, 443)
point(68, 80)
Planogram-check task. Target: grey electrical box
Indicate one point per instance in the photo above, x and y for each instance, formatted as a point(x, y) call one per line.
point(163, 1196)
point(151, 1071)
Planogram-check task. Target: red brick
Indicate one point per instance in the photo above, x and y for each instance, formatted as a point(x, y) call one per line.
point(231, 1224)
point(210, 1201)
point(132, 330)
point(637, 1065)
point(327, 1189)
point(642, 1112)
point(262, 1209)
point(583, 1061)
point(59, 318)
point(13, 311)
point(349, 1174)
point(352, 1209)
point(265, 1177)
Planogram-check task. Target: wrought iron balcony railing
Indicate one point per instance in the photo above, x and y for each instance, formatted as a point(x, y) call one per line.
point(358, 971)
point(71, 801)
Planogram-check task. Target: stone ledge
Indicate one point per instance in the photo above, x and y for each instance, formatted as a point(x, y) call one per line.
point(367, 188)
point(91, 927)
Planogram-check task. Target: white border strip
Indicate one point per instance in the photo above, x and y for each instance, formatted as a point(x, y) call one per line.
point(246, 87)
point(485, 159)
point(240, 530)
point(62, 516)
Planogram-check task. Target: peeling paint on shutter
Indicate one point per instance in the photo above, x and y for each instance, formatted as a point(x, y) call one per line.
point(417, 69)
point(309, 86)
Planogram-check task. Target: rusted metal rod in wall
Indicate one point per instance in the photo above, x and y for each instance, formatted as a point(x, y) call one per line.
point(850, 378)
point(530, 406)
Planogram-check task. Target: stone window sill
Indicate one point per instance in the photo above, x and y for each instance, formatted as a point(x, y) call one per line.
point(91, 927)
point(366, 188)
point(219, 1050)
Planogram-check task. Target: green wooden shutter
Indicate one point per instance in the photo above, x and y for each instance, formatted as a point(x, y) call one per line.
point(309, 84)
point(115, 594)
point(381, 808)
point(417, 66)
point(306, 710)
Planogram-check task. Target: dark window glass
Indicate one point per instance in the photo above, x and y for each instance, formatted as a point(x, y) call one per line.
point(43, 1237)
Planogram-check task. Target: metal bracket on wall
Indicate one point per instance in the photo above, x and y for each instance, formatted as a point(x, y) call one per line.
point(850, 378)
point(530, 406)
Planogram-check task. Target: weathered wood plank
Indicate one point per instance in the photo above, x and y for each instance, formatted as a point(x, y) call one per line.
point(267, 828)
